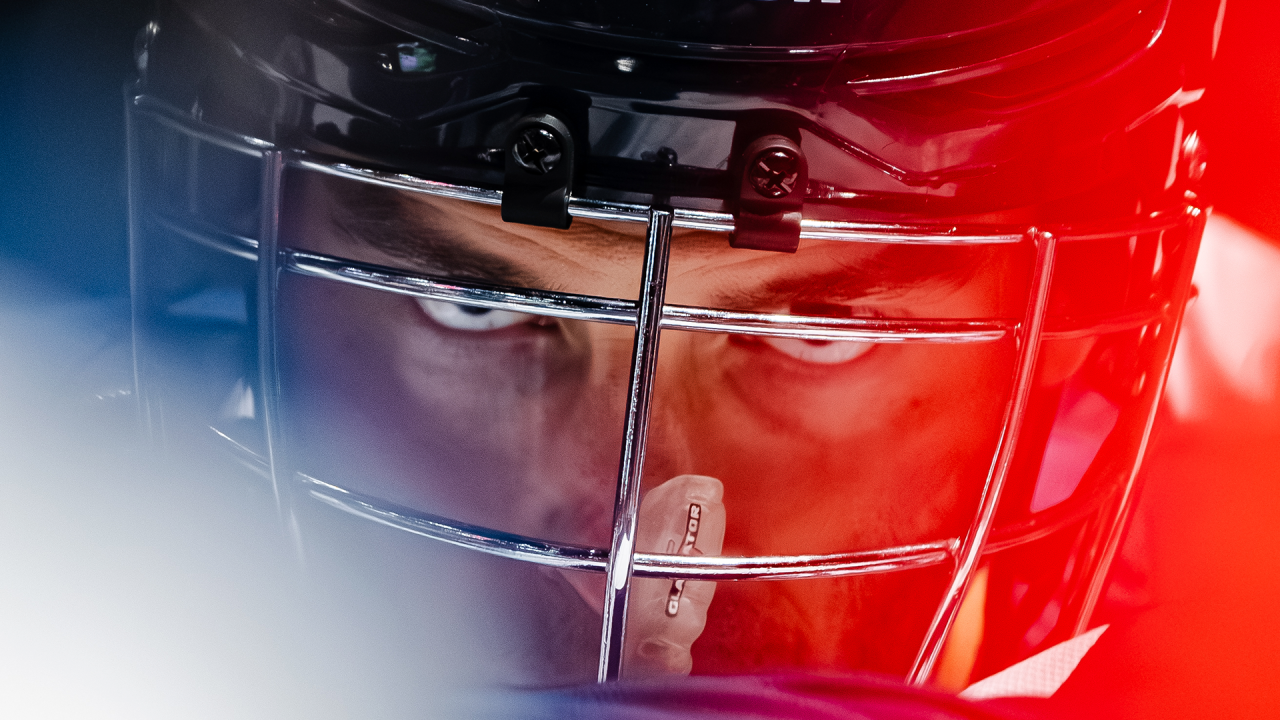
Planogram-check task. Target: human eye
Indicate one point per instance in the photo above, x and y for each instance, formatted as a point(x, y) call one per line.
point(819, 352)
point(471, 318)
point(822, 352)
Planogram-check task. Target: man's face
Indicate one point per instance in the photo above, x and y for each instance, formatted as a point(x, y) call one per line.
point(514, 422)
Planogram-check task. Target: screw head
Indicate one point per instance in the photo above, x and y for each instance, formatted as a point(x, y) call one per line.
point(537, 150)
point(773, 172)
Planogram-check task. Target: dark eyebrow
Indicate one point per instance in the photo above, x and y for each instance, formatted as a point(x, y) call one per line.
point(382, 221)
point(416, 231)
point(894, 269)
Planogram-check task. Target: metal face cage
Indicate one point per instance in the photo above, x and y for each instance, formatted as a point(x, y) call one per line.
point(169, 221)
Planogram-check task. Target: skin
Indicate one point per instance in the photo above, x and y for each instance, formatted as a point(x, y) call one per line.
point(820, 448)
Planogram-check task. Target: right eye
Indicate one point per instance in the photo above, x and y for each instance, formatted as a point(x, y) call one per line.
point(470, 317)
point(819, 352)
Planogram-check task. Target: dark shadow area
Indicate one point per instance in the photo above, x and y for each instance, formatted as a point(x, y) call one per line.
point(62, 163)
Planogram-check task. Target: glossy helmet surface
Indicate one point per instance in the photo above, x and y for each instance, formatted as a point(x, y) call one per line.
point(917, 269)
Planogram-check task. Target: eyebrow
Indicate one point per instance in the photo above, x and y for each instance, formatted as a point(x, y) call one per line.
point(892, 270)
point(380, 219)
point(416, 231)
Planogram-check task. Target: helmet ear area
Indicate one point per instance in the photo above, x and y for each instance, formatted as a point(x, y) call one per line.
point(539, 171)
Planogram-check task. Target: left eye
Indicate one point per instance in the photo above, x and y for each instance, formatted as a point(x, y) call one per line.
point(470, 317)
point(819, 352)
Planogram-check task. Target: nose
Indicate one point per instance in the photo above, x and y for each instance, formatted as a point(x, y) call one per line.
point(573, 438)
point(680, 390)
point(578, 473)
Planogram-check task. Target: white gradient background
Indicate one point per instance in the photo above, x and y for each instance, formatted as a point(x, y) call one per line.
point(136, 586)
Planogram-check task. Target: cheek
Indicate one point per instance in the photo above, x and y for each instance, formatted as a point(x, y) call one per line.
point(516, 429)
point(890, 448)
point(941, 391)
point(498, 374)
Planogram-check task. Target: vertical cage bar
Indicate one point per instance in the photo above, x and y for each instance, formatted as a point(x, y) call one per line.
point(268, 284)
point(971, 546)
point(1114, 534)
point(134, 206)
point(644, 364)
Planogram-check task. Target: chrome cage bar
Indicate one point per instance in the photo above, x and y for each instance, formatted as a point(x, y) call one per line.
point(580, 557)
point(649, 316)
point(970, 551)
point(690, 567)
point(1112, 536)
point(644, 368)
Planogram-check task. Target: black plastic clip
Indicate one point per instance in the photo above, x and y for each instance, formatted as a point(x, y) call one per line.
point(539, 172)
point(774, 178)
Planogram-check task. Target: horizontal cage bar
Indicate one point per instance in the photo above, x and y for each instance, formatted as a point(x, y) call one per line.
point(676, 317)
point(622, 312)
point(175, 120)
point(683, 218)
point(202, 233)
point(577, 557)
point(767, 567)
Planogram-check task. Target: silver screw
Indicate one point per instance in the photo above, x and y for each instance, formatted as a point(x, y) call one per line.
point(773, 173)
point(537, 150)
